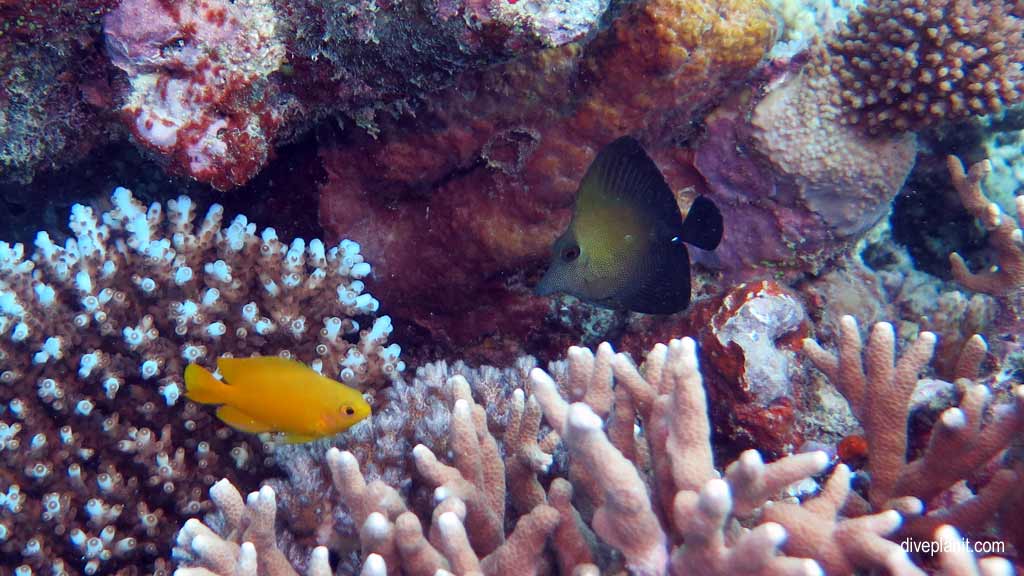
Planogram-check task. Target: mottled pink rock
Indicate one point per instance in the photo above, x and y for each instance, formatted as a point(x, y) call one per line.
point(199, 91)
point(798, 186)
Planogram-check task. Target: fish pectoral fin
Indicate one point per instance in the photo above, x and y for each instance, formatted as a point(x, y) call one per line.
point(292, 438)
point(241, 421)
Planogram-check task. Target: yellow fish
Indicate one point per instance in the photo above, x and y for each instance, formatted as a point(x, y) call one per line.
point(625, 245)
point(272, 394)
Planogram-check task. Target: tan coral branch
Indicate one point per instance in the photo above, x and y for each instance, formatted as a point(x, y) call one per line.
point(1005, 235)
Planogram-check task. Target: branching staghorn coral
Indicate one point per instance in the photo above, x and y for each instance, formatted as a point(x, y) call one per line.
point(686, 501)
point(879, 388)
point(1005, 235)
point(651, 493)
point(471, 493)
point(99, 451)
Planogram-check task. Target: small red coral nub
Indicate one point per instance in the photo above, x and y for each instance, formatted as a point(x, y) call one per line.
point(853, 450)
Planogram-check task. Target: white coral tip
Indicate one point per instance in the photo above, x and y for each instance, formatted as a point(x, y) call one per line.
point(246, 559)
point(954, 419)
point(374, 566)
point(450, 524)
point(376, 525)
point(583, 417)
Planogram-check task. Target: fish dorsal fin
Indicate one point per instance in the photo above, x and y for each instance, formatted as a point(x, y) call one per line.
point(237, 371)
point(623, 175)
point(703, 224)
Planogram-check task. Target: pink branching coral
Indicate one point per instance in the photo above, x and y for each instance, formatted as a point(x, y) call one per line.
point(650, 494)
point(685, 501)
point(905, 64)
point(471, 493)
point(1005, 236)
point(965, 439)
point(251, 521)
point(99, 450)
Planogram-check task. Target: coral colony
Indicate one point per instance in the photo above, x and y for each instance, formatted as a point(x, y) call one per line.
point(100, 450)
point(823, 406)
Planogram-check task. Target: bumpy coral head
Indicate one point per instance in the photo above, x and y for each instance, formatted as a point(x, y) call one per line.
point(905, 64)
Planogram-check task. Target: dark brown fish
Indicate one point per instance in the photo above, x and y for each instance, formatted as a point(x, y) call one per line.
point(625, 246)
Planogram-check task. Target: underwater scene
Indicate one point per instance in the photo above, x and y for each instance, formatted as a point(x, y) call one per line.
point(511, 287)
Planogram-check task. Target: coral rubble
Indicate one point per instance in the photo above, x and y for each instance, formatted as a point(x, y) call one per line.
point(100, 451)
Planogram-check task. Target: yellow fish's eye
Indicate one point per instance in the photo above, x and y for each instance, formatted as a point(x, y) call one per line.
point(570, 253)
point(349, 410)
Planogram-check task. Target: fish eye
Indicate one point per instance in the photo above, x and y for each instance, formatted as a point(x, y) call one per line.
point(570, 253)
point(349, 410)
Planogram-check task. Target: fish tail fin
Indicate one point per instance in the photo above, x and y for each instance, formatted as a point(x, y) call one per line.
point(703, 224)
point(202, 387)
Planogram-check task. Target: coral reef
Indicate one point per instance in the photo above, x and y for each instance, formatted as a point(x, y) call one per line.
point(206, 84)
point(211, 87)
point(492, 165)
point(821, 185)
point(99, 450)
point(450, 137)
point(650, 494)
point(904, 64)
point(818, 186)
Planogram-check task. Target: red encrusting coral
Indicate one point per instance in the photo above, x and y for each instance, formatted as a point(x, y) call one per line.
point(200, 93)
